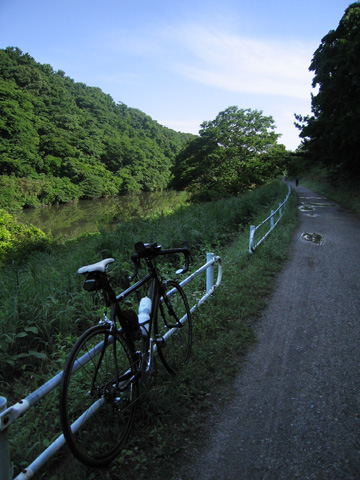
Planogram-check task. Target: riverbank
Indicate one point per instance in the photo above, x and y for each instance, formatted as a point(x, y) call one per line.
point(68, 221)
point(57, 310)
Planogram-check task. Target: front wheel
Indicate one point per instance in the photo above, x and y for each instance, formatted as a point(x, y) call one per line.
point(97, 396)
point(173, 327)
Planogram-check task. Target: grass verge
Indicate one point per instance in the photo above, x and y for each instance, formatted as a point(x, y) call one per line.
point(222, 334)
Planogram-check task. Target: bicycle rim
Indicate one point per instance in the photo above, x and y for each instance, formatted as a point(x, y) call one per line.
point(97, 388)
point(173, 328)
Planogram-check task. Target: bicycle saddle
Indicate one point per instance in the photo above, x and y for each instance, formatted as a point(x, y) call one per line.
point(96, 267)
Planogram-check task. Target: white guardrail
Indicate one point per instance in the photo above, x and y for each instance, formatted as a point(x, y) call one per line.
point(273, 223)
point(9, 415)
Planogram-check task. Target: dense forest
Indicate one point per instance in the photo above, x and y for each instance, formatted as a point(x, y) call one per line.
point(331, 134)
point(61, 140)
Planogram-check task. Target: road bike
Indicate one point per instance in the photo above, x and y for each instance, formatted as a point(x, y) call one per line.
point(111, 363)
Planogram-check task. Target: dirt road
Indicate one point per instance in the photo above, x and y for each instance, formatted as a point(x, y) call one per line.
point(296, 407)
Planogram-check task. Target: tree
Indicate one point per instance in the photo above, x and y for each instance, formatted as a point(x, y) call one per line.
point(331, 134)
point(53, 130)
point(231, 155)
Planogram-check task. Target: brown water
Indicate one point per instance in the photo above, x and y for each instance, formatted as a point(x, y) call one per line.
point(90, 216)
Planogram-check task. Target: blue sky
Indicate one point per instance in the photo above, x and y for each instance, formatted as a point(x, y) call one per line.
point(181, 61)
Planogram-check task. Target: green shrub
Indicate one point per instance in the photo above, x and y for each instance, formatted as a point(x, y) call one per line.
point(17, 240)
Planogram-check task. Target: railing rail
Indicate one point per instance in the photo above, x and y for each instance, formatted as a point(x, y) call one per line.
point(9, 415)
point(273, 223)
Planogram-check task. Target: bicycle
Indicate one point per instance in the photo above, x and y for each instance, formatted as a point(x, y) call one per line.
point(101, 385)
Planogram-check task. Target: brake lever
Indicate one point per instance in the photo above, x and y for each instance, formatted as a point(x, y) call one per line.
point(136, 259)
point(186, 253)
point(185, 269)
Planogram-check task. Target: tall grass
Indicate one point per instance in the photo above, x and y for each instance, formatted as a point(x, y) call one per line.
point(43, 298)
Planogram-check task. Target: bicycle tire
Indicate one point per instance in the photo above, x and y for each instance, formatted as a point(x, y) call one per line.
point(101, 435)
point(173, 327)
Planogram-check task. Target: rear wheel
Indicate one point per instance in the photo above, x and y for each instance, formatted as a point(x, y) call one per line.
point(173, 327)
point(98, 386)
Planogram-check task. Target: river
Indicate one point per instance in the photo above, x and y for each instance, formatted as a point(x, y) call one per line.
point(70, 220)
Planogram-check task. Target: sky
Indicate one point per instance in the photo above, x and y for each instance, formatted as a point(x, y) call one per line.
point(182, 61)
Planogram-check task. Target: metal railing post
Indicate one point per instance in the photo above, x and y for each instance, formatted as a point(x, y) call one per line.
point(209, 272)
point(4, 447)
point(251, 241)
point(253, 229)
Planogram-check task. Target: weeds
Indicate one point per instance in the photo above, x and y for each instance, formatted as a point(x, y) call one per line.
point(50, 302)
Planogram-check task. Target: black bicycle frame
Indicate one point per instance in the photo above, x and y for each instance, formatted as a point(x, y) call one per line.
point(152, 278)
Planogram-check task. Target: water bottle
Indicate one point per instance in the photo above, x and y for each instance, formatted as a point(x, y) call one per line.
point(144, 315)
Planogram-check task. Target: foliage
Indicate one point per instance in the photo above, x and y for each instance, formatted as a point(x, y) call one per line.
point(331, 134)
point(43, 291)
point(235, 152)
point(17, 240)
point(61, 140)
point(48, 304)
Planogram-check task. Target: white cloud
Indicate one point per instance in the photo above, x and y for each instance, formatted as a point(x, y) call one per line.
point(238, 64)
point(267, 74)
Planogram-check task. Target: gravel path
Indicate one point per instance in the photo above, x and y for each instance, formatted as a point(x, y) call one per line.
point(295, 412)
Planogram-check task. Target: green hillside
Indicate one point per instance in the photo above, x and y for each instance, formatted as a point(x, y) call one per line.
point(61, 140)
